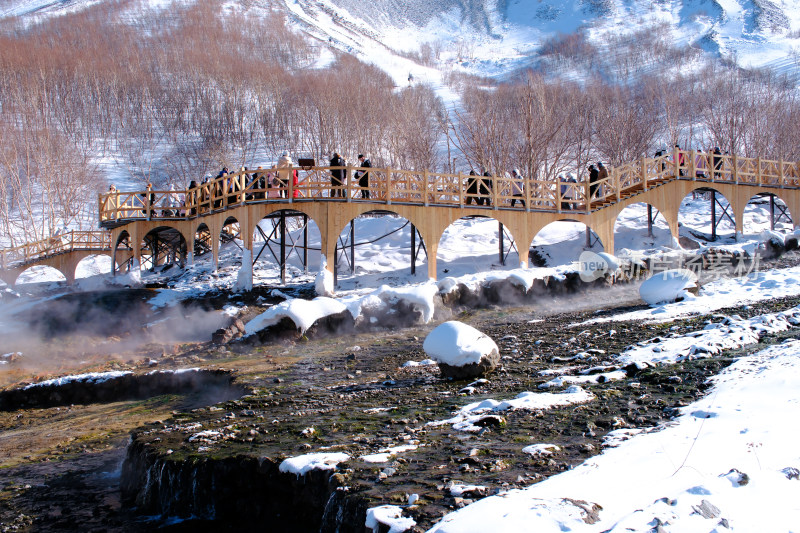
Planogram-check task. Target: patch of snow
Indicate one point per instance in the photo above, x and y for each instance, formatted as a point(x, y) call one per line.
point(457, 344)
point(302, 464)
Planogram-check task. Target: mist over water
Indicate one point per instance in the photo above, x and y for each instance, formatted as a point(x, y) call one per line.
point(57, 332)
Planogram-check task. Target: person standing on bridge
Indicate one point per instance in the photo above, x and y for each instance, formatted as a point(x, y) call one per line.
point(472, 188)
point(517, 187)
point(486, 187)
point(363, 176)
point(338, 175)
point(602, 172)
point(284, 173)
point(594, 177)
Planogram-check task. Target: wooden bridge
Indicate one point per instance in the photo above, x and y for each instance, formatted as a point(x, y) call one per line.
point(62, 252)
point(170, 225)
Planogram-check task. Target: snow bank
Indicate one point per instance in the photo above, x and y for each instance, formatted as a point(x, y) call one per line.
point(244, 279)
point(667, 286)
point(457, 344)
point(324, 280)
point(420, 296)
point(388, 515)
point(465, 418)
point(302, 312)
point(302, 464)
point(385, 454)
point(730, 333)
point(90, 377)
point(725, 292)
point(730, 459)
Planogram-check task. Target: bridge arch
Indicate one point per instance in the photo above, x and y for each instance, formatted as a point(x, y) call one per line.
point(708, 214)
point(765, 211)
point(301, 245)
point(456, 258)
point(640, 224)
point(562, 241)
point(100, 264)
point(45, 273)
point(163, 245)
point(378, 240)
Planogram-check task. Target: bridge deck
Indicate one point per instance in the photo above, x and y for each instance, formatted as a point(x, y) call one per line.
point(523, 205)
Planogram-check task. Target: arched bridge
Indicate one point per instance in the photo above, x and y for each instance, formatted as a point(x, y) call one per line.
point(432, 201)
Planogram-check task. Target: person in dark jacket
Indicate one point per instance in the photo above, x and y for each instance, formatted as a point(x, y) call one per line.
point(338, 175)
point(717, 158)
point(363, 175)
point(594, 177)
point(486, 189)
point(472, 188)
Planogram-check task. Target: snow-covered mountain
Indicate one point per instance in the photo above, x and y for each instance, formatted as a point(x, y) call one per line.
point(497, 37)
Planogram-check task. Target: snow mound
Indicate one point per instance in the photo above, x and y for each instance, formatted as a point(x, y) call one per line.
point(324, 281)
point(91, 377)
point(302, 464)
point(388, 515)
point(457, 344)
point(302, 312)
point(668, 286)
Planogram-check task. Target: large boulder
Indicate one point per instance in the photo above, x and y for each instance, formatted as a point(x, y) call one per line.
point(461, 351)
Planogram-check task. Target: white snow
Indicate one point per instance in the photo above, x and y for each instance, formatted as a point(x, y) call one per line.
point(302, 312)
point(384, 455)
point(731, 455)
point(465, 418)
point(457, 344)
point(302, 464)
point(388, 515)
point(667, 286)
point(89, 377)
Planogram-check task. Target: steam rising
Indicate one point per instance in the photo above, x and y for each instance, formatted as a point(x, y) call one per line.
point(64, 331)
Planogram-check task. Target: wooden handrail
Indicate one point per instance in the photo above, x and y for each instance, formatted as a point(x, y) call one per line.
point(390, 186)
point(99, 241)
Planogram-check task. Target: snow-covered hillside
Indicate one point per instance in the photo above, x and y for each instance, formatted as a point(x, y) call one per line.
point(498, 37)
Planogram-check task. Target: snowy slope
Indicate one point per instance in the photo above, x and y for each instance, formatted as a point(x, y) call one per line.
point(497, 37)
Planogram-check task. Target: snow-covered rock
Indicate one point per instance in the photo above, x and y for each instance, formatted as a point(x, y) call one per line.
point(302, 312)
point(667, 286)
point(324, 281)
point(462, 351)
point(302, 464)
point(390, 516)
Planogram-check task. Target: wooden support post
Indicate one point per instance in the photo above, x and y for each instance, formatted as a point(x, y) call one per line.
point(772, 212)
point(425, 187)
point(290, 182)
point(349, 184)
point(526, 186)
point(283, 246)
point(353, 246)
point(461, 190)
point(758, 171)
point(617, 187)
point(644, 173)
point(713, 215)
point(649, 220)
point(389, 186)
point(693, 164)
point(501, 244)
point(735, 170)
point(782, 175)
point(413, 249)
point(495, 189)
point(305, 244)
point(676, 154)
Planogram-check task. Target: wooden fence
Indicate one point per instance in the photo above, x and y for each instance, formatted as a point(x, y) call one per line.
point(99, 241)
point(394, 186)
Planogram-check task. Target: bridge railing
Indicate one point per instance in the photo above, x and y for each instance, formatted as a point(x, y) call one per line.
point(388, 186)
point(65, 242)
